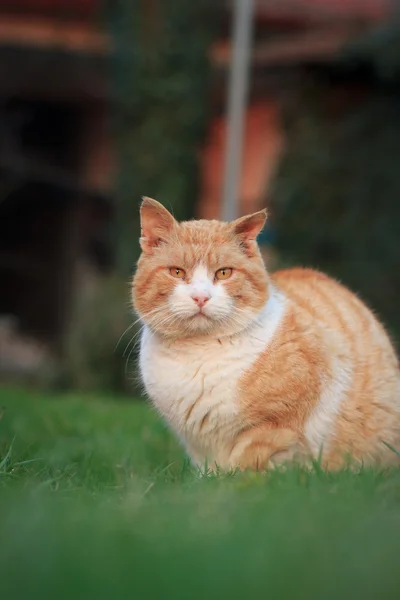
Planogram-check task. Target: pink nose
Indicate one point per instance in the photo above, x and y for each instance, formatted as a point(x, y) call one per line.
point(200, 299)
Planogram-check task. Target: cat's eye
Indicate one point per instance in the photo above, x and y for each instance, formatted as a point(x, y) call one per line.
point(224, 273)
point(177, 272)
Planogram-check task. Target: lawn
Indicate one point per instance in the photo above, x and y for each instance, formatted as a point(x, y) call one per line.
point(97, 501)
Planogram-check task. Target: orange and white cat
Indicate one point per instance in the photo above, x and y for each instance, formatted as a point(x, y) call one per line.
point(251, 369)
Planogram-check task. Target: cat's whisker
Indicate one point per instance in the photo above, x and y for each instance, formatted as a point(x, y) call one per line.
point(140, 319)
point(134, 339)
point(165, 321)
point(128, 358)
point(122, 335)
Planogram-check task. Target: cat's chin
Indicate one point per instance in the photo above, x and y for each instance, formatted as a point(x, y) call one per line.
point(201, 325)
point(201, 317)
point(200, 322)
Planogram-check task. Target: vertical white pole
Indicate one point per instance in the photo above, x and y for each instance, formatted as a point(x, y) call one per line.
point(237, 101)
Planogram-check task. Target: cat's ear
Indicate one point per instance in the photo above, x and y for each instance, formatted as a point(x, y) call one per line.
point(156, 224)
point(247, 229)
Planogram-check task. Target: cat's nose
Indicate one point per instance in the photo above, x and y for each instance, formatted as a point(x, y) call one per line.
point(201, 298)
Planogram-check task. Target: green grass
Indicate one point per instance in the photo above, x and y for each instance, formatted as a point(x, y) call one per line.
point(97, 501)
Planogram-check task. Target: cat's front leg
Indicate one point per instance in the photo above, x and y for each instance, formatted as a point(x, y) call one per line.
point(258, 448)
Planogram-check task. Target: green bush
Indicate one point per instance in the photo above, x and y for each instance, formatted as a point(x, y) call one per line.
point(99, 355)
point(161, 89)
point(336, 194)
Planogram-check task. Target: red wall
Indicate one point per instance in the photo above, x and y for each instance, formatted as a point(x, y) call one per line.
point(82, 7)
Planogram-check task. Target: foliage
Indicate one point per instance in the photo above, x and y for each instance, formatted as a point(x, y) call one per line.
point(161, 86)
point(97, 502)
point(380, 48)
point(336, 195)
point(100, 347)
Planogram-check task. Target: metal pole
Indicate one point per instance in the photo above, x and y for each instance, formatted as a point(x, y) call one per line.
point(237, 100)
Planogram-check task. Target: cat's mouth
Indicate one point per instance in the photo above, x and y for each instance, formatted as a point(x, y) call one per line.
point(200, 315)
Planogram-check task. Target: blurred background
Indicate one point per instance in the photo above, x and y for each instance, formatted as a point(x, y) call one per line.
point(216, 108)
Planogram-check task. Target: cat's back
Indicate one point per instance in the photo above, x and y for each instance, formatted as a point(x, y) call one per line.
point(352, 336)
point(314, 291)
point(338, 314)
point(329, 303)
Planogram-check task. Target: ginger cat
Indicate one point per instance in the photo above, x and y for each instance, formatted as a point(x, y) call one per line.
point(251, 369)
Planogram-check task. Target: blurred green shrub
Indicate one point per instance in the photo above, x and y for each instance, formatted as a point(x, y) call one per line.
point(160, 88)
point(161, 79)
point(336, 196)
point(98, 353)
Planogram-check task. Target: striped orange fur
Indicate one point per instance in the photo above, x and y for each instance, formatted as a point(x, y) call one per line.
point(251, 369)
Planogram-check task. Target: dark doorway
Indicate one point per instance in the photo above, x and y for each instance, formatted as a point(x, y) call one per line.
point(37, 200)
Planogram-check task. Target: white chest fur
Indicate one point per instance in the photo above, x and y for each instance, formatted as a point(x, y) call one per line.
point(194, 384)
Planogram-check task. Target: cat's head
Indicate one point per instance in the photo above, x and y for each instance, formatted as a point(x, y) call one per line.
point(198, 278)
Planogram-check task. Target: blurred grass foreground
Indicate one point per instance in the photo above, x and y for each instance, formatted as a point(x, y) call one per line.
point(97, 501)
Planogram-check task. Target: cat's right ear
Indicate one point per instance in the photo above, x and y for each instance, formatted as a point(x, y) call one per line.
point(156, 224)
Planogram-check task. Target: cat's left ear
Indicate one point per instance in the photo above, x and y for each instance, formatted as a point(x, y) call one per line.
point(156, 224)
point(247, 229)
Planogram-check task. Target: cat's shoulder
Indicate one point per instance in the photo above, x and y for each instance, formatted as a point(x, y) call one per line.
point(300, 274)
point(305, 280)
